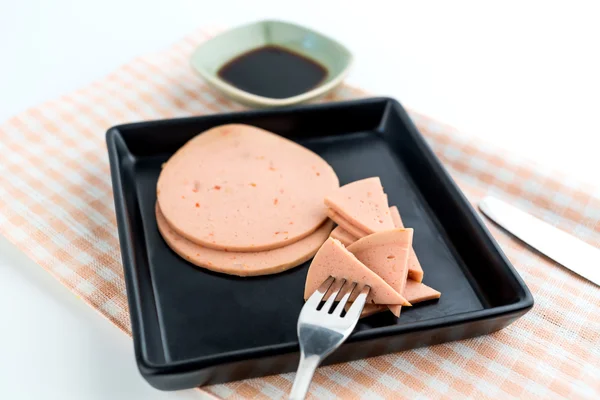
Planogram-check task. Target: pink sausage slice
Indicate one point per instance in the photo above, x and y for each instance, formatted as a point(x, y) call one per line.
point(415, 271)
point(395, 214)
point(343, 236)
point(418, 292)
point(345, 231)
point(333, 259)
point(363, 204)
point(244, 263)
point(386, 254)
point(241, 188)
point(345, 224)
point(414, 292)
point(370, 309)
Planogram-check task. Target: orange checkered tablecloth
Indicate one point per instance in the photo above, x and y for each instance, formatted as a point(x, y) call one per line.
point(56, 206)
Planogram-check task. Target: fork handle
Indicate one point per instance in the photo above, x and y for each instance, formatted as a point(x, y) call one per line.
point(306, 370)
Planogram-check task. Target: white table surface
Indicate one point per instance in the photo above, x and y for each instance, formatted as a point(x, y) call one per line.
point(524, 77)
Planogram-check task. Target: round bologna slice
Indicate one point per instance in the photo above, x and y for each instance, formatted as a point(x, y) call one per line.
point(244, 263)
point(241, 188)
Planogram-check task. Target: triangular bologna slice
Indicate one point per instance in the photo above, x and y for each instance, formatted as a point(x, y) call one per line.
point(362, 203)
point(414, 293)
point(369, 309)
point(415, 271)
point(418, 292)
point(386, 254)
point(348, 234)
point(343, 236)
point(395, 214)
point(345, 224)
point(333, 259)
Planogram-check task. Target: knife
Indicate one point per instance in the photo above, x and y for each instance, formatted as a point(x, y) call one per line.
point(565, 249)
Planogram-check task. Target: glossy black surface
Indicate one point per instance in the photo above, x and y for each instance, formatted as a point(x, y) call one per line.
point(192, 326)
point(273, 71)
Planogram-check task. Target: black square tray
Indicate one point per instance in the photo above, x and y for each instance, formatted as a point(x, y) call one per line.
point(193, 327)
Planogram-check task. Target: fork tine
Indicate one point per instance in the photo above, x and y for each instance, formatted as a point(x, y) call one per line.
point(315, 299)
point(333, 296)
point(344, 300)
point(357, 307)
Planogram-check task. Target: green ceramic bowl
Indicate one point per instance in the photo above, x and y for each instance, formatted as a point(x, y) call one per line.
point(210, 56)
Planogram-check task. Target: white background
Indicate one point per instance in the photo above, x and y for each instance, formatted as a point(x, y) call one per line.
point(522, 75)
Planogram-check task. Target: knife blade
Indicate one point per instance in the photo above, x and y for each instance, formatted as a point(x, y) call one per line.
point(567, 250)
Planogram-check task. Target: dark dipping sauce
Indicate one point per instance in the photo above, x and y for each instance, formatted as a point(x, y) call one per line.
point(273, 71)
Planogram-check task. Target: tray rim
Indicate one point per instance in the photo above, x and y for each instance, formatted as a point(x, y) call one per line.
point(114, 140)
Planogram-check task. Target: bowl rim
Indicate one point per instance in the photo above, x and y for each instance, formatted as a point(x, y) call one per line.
point(215, 81)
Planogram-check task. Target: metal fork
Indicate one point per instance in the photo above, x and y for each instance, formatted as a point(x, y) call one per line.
point(321, 332)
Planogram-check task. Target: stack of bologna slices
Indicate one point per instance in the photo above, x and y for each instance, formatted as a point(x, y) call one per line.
point(243, 201)
point(370, 246)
